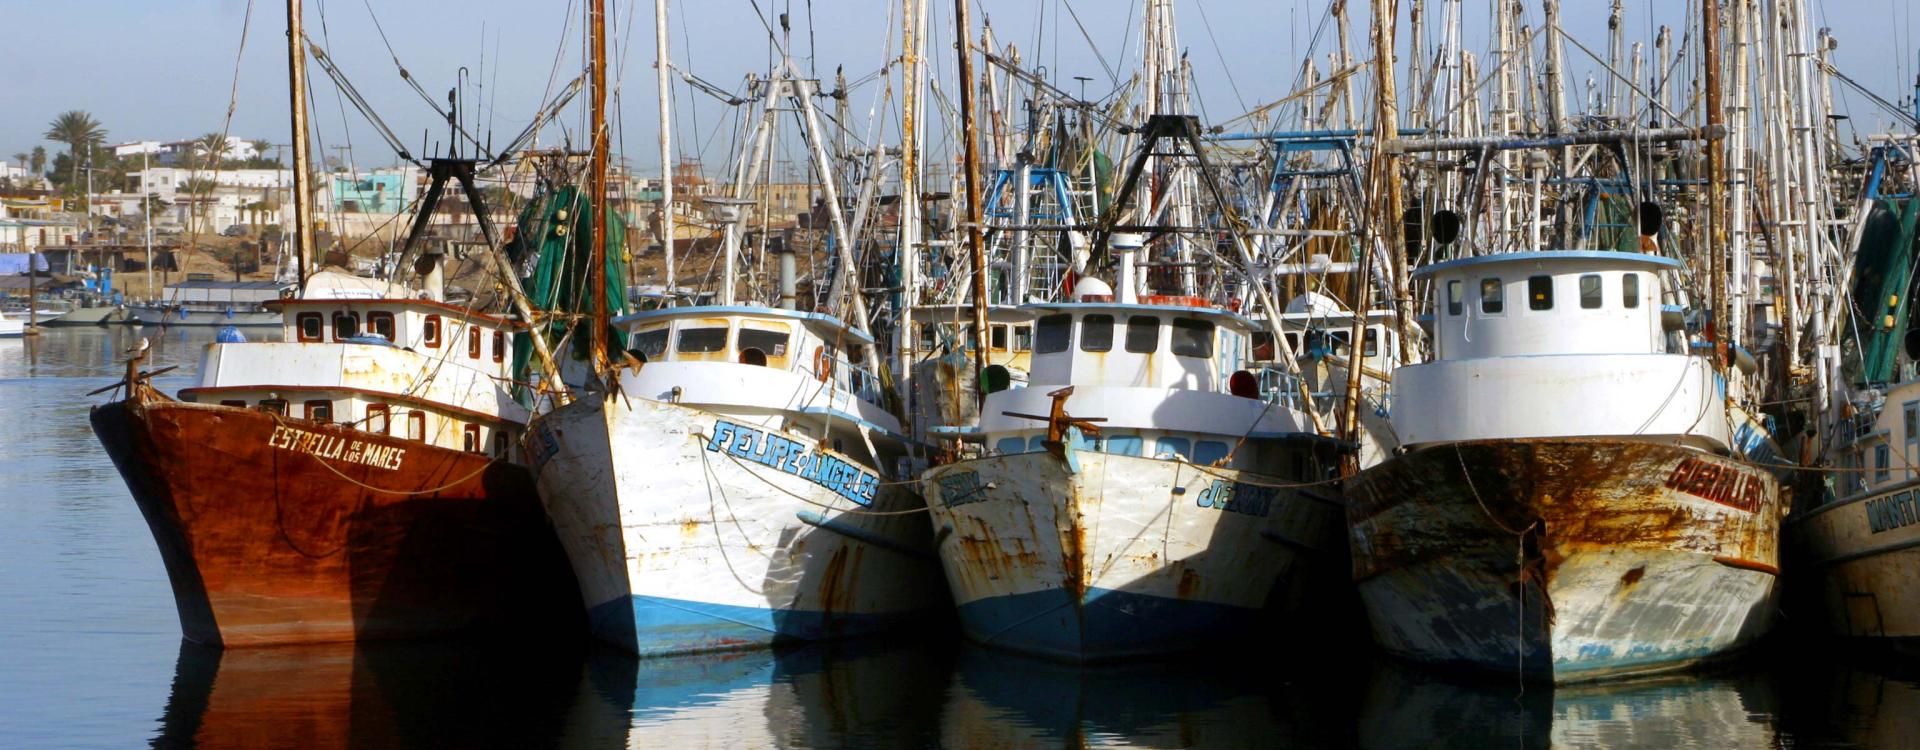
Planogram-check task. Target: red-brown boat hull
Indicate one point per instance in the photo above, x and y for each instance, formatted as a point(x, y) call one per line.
point(277, 530)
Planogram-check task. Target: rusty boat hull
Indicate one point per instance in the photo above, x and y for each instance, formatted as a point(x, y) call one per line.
point(281, 531)
point(1565, 559)
point(1127, 556)
point(1855, 562)
point(694, 532)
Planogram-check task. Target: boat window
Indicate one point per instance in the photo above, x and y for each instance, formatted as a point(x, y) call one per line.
point(376, 419)
point(1293, 343)
point(1337, 342)
point(1882, 457)
point(1590, 291)
point(1262, 343)
point(1022, 338)
point(275, 405)
point(1370, 345)
point(1010, 445)
point(380, 323)
point(927, 341)
point(1493, 299)
point(416, 425)
point(1630, 290)
point(1096, 333)
point(470, 438)
point(1036, 443)
point(999, 338)
point(311, 327)
point(1168, 447)
point(430, 332)
point(1124, 445)
point(1192, 337)
point(1540, 292)
point(320, 410)
point(1052, 333)
point(499, 346)
point(1454, 305)
point(650, 344)
point(234, 402)
point(1910, 421)
point(346, 325)
point(473, 342)
point(1143, 335)
point(701, 340)
point(1209, 451)
point(770, 343)
point(499, 444)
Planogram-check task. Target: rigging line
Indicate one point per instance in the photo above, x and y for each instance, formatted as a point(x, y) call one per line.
point(1208, 25)
point(339, 99)
point(233, 103)
point(424, 96)
point(359, 102)
point(1112, 77)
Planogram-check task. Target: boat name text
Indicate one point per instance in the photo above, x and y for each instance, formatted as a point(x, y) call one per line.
point(1720, 484)
point(1237, 497)
point(337, 448)
point(1892, 512)
point(960, 488)
point(794, 457)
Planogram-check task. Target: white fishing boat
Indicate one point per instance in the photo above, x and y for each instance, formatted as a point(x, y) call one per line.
point(741, 487)
point(209, 302)
point(1573, 500)
point(1141, 495)
point(12, 328)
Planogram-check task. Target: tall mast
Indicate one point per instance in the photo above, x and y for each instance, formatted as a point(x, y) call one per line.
point(661, 63)
point(972, 166)
point(302, 155)
point(597, 182)
point(1716, 226)
point(1384, 199)
point(912, 32)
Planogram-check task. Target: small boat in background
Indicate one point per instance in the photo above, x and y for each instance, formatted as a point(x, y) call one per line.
point(208, 302)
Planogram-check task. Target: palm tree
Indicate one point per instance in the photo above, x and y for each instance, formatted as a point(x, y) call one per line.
point(79, 131)
point(260, 148)
point(215, 146)
point(39, 161)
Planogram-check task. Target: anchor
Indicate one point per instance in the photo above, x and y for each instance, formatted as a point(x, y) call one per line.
point(1059, 425)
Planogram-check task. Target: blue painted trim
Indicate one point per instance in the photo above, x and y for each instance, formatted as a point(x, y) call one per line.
point(673, 313)
point(1608, 255)
point(1102, 624)
point(821, 411)
point(1191, 312)
point(660, 626)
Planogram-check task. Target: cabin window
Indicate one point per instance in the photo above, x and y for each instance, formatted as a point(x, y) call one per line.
point(499, 444)
point(1262, 342)
point(1293, 343)
point(473, 342)
point(1209, 451)
point(1630, 290)
point(275, 405)
point(1493, 297)
point(1005, 446)
point(999, 338)
point(346, 325)
point(702, 340)
point(1454, 304)
point(1168, 447)
point(650, 344)
point(380, 324)
point(1192, 338)
point(234, 402)
point(430, 332)
point(416, 425)
point(1143, 336)
point(320, 411)
point(1124, 445)
point(499, 346)
point(1370, 343)
point(1590, 291)
point(770, 343)
point(376, 419)
point(1882, 460)
point(1036, 444)
point(927, 341)
point(470, 438)
point(1096, 333)
point(311, 327)
point(1052, 333)
point(1337, 342)
point(1540, 292)
point(1022, 338)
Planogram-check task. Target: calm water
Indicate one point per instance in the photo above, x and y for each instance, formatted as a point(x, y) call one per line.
point(90, 656)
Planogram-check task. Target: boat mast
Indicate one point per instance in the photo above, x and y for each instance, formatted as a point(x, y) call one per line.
point(912, 32)
point(972, 166)
point(1716, 227)
point(302, 154)
point(597, 182)
point(1384, 199)
point(661, 63)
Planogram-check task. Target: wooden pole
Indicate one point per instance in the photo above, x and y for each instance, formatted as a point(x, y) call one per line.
point(975, 245)
point(597, 183)
point(663, 62)
point(302, 153)
point(1716, 227)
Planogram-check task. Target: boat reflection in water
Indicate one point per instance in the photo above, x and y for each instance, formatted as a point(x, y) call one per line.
point(1004, 700)
point(1412, 707)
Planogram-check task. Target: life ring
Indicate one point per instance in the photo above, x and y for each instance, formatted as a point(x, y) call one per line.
point(822, 363)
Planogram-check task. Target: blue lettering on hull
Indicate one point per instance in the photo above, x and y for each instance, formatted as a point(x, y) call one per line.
point(796, 458)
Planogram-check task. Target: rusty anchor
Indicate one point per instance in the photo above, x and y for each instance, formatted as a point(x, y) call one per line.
point(1060, 424)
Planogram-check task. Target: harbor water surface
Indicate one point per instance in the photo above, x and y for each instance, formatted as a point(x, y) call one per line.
point(91, 656)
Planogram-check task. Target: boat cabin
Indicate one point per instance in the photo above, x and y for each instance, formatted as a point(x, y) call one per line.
point(939, 329)
point(1531, 304)
point(817, 346)
point(1134, 345)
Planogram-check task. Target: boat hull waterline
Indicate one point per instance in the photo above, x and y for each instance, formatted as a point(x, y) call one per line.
point(1565, 559)
point(691, 531)
point(279, 531)
point(1126, 557)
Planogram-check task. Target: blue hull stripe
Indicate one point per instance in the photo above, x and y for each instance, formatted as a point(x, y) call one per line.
point(658, 626)
point(1103, 624)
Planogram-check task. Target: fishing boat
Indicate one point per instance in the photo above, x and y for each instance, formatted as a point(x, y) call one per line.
point(12, 328)
point(358, 479)
point(209, 302)
point(1141, 495)
point(1572, 499)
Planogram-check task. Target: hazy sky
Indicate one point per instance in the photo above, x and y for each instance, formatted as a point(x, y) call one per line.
point(163, 69)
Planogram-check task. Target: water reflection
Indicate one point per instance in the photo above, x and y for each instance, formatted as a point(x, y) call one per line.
point(1412, 707)
point(96, 351)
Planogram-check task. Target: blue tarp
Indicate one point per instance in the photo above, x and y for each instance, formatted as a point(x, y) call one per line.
point(15, 264)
